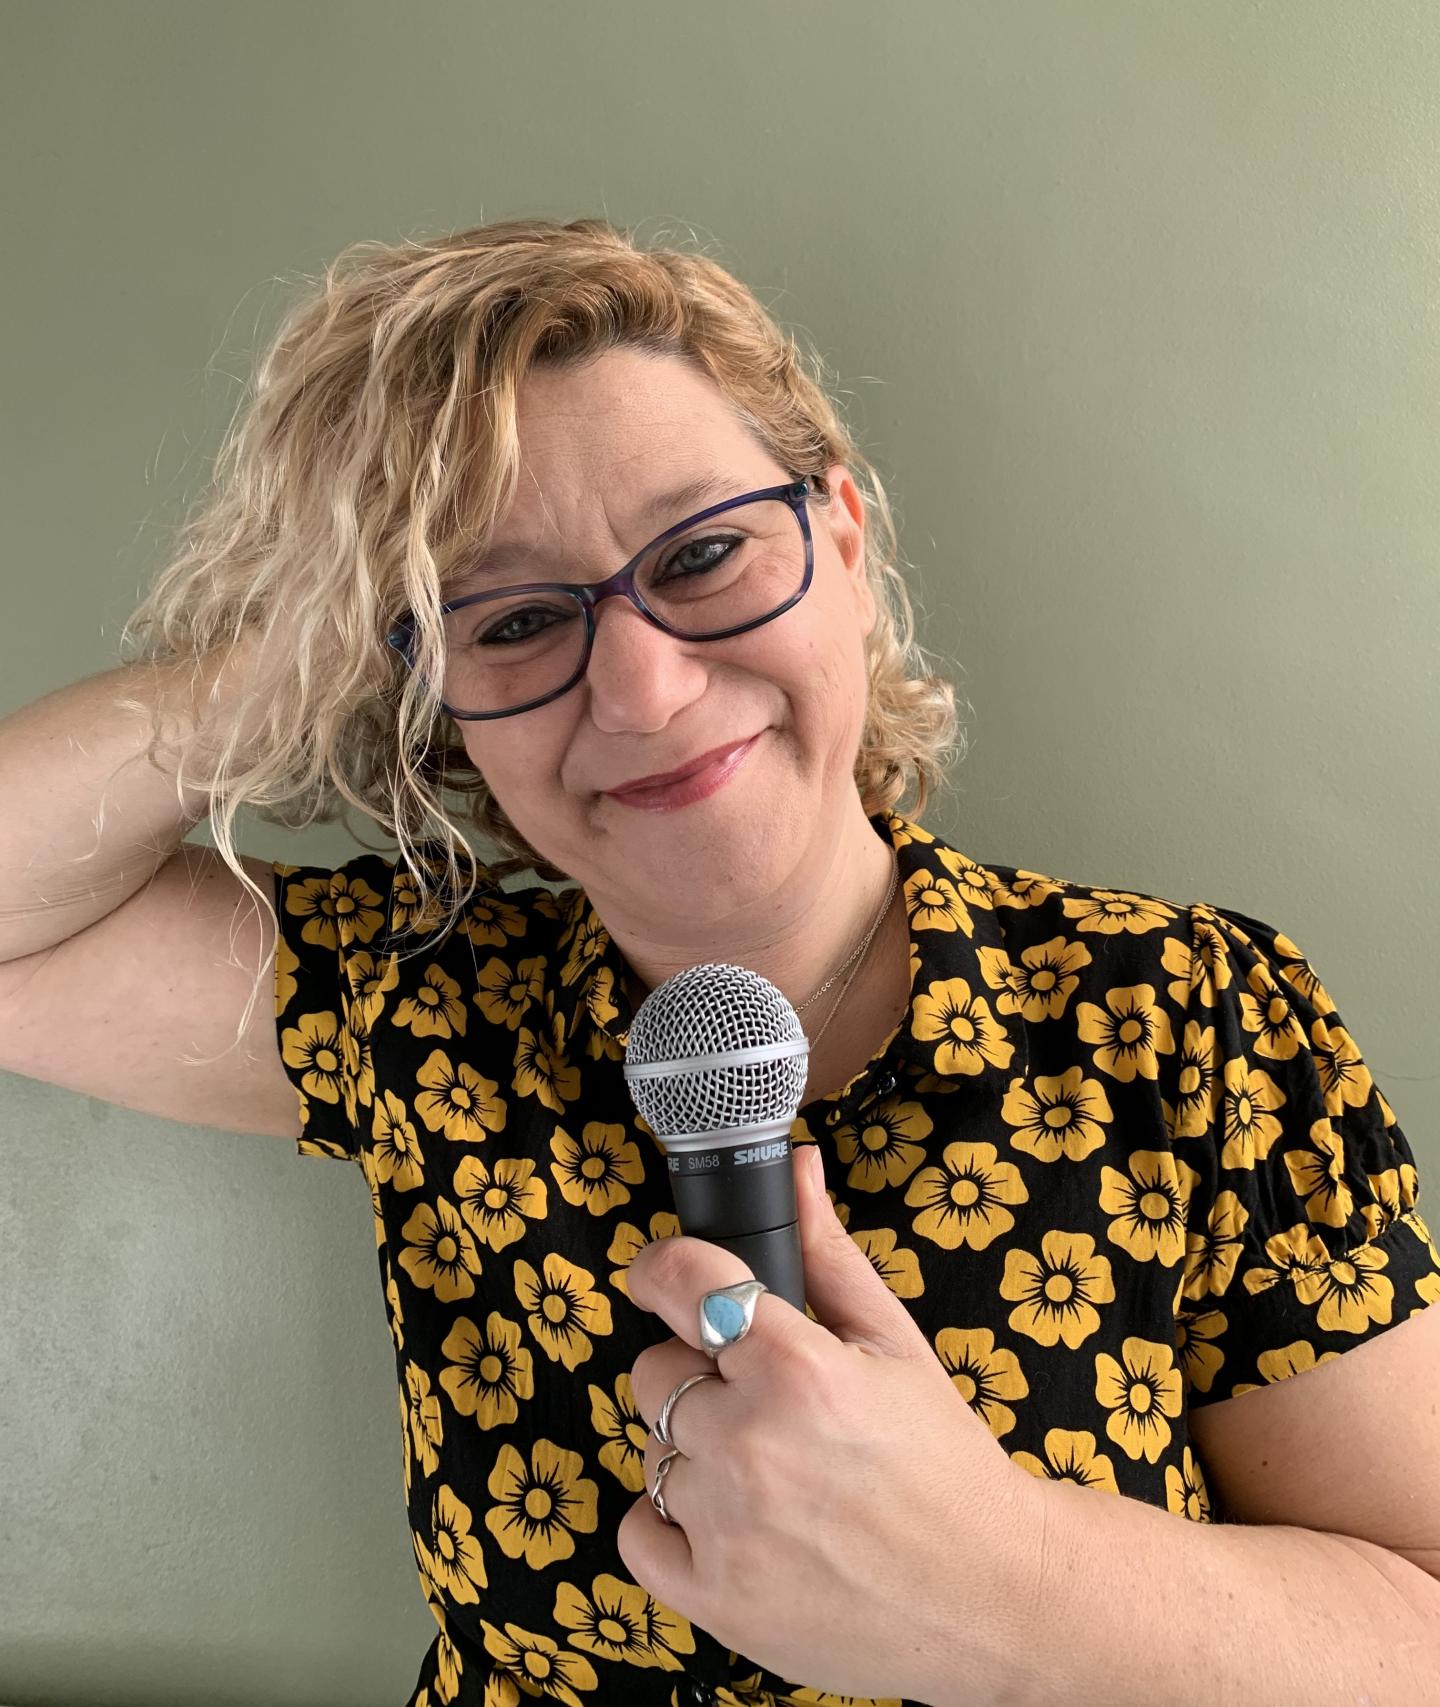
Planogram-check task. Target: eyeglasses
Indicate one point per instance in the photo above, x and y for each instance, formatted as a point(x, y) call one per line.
point(517, 647)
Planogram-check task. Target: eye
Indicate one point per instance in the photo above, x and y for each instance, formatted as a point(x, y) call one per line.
point(701, 545)
point(520, 625)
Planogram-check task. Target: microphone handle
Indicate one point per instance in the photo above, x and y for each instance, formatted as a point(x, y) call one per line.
point(738, 1191)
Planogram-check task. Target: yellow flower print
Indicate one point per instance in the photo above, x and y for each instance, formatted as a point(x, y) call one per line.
point(1248, 1103)
point(1211, 1256)
point(629, 1241)
point(1185, 1492)
point(357, 1082)
point(564, 1308)
point(505, 993)
point(896, 1265)
point(488, 1374)
point(369, 984)
point(1130, 1036)
point(962, 1201)
point(441, 1254)
point(1297, 971)
point(1281, 1364)
point(973, 883)
point(541, 1506)
point(394, 1314)
point(1110, 911)
point(1427, 1290)
point(1320, 1179)
point(905, 830)
point(426, 1426)
point(314, 1045)
point(984, 1375)
point(1151, 1204)
point(456, 1100)
point(1056, 1292)
point(1198, 1078)
point(620, 1425)
point(1394, 1192)
point(594, 1171)
point(287, 964)
point(395, 1147)
point(1060, 1116)
point(1189, 970)
point(405, 901)
point(448, 1668)
point(887, 1148)
point(489, 921)
point(1265, 1012)
point(1344, 1077)
point(619, 1621)
point(1297, 1250)
point(1070, 1456)
point(541, 1069)
point(429, 1581)
point(1214, 974)
point(1041, 985)
point(1201, 1360)
point(935, 905)
point(601, 1007)
point(497, 1202)
point(455, 1554)
point(435, 1010)
point(338, 909)
point(966, 1035)
point(543, 1667)
point(1026, 889)
point(1140, 1392)
point(585, 942)
point(1351, 1291)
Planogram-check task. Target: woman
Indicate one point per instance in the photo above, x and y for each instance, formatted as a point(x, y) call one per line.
point(532, 519)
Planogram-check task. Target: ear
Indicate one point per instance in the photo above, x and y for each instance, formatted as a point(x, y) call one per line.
point(845, 518)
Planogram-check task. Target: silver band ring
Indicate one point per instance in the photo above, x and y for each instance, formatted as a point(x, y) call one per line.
point(657, 1499)
point(662, 1423)
point(726, 1313)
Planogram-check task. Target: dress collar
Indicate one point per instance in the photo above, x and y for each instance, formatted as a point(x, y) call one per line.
point(957, 962)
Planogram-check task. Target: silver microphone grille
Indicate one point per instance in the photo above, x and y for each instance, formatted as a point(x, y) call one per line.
point(714, 1047)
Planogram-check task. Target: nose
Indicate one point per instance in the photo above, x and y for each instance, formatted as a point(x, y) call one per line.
point(639, 677)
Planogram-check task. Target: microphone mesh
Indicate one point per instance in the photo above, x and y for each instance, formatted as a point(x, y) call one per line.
point(708, 1010)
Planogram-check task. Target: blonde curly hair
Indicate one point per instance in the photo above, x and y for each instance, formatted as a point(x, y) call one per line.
point(378, 435)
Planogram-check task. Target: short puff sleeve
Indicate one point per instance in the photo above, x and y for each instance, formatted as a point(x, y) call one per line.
point(330, 924)
point(1303, 1233)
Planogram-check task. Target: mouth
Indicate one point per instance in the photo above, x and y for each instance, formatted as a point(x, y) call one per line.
point(690, 782)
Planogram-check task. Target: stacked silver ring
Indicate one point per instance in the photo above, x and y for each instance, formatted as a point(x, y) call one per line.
point(726, 1313)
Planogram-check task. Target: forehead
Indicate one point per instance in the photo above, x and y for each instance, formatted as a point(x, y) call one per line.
point(630, 418)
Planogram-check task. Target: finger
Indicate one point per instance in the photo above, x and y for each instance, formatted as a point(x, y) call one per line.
point(658, 1371)
point(671, 1276)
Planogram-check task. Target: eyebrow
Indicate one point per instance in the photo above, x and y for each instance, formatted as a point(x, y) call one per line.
point(678, 501)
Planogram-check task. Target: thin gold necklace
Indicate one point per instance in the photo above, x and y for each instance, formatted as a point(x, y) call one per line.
point(857, 955)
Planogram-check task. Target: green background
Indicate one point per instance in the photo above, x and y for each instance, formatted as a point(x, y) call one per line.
point(1134, 306)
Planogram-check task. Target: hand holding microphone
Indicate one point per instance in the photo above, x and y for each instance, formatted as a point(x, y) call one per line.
point(832, 1508)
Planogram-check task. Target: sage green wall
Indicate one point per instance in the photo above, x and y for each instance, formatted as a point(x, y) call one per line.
point(1134, 306)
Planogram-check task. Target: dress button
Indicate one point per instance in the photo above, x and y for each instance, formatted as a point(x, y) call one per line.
point(701, 1694)
point(885, 1084)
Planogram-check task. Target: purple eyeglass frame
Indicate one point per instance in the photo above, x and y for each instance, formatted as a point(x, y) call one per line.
point(622, 582)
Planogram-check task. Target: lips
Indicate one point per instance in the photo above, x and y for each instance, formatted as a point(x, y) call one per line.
point(662, 778)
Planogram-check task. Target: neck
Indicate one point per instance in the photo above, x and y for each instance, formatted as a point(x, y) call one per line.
point(795, 935)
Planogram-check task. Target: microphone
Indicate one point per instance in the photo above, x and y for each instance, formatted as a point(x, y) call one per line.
point(716, 1063)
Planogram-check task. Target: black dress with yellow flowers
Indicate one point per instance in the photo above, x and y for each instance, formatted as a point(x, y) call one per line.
point(1120, 1159)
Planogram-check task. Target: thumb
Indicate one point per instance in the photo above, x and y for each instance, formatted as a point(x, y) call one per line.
point(842, 1285)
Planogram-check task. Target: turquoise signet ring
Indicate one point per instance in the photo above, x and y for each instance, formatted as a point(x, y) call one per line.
point(726, 1314)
